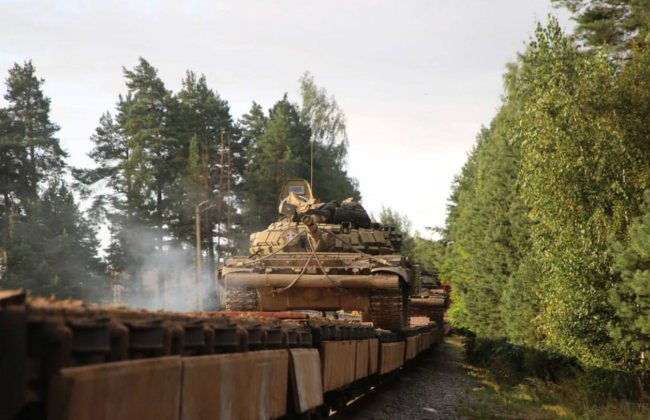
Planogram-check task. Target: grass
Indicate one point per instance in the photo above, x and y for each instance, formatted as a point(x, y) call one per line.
point(534, 399)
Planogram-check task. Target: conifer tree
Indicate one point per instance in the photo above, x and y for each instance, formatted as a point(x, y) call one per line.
point(55, 250)
point(280, 153)
point(149, 117)
point(631, 295)
point(614, 23)
point(48, 246)
point(207, 117)
point(29, 112)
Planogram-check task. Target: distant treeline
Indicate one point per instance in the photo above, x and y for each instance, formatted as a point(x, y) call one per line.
point(548, 232)
point(157, 156)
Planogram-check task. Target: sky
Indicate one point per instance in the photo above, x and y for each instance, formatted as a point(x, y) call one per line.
point(416, 78)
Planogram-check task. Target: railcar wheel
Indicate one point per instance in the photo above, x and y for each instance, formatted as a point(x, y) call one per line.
point(241, 299)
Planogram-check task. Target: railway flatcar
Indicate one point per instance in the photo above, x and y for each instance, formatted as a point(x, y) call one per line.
point(73, 361)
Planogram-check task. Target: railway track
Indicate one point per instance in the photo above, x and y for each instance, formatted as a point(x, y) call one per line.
point(70, 360)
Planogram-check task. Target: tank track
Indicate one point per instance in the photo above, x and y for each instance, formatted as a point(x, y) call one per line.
point(241, 299)
point(389, 309)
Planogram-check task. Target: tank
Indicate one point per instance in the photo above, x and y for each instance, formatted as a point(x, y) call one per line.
point(324, 257)
point(432, 300)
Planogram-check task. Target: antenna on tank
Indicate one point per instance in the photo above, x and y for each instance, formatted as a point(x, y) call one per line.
point(311, 179)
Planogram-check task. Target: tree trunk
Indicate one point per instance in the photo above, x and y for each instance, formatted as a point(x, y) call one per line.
point(8, 231)
point(159, 216)
point(213, 299)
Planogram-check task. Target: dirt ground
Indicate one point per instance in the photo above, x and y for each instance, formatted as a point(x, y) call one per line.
point(433, 389)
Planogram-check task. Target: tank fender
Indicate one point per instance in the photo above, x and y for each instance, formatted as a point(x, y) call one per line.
point(230, 270)
point(224, 271)
point(402, 272)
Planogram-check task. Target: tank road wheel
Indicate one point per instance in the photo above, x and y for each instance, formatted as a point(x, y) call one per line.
point(241, 299)
point(389, 309)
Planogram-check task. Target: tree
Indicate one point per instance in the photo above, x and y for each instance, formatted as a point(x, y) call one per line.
point(29, 111)
point(48, 246)
point(329, 142)
point(140, 159)
point(631, 297)
point(580, 176)
point(486, 233)
point(149, 116)
point(12, 183)
point(614, 23)
point(208, 118)
point(401, 223)
point(55, 250)
point(280, 153)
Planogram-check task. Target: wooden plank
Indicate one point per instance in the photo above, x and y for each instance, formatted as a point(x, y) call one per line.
point(363, 353)
point(338, 360)
point(373, 356)
point(428, 340)
point(241, 386)
point(391, 356)
point(412, 345)
point(306, 378)
point(138, 390)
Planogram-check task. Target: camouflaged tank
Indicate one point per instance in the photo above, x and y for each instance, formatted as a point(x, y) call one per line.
point(325, 257)
point(432, 300)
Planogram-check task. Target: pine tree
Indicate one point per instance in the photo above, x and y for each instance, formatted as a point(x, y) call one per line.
point(149, 117)
point(280, 153)
point(281, 146)
point(208, 118)
point(48, 246)
point(55, 250)
point(615, 23)
point(12, 183)
point(29, 111)
point(631, 295)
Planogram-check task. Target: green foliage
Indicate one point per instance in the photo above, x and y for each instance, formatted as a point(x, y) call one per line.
point(615, 23)
point(523, 383)
point(47, 246)
point(631, 295)
point(164, 153)
point(282, 152)
point(54, 250)
point(390, 217)
point(556, 179)
point(488, 229)
point(279, 147)
point(430, 254)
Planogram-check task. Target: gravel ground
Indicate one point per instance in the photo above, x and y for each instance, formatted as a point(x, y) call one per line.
point(432, 389)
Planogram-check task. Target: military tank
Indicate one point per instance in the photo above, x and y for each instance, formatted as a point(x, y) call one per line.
point(324, 257)
point(432, 300)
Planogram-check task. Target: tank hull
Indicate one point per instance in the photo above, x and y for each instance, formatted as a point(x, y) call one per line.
point(323, 281)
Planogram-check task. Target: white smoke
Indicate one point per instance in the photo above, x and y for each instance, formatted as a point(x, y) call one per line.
point(175, 263)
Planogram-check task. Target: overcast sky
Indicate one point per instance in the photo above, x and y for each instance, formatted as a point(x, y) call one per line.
point(416, 79)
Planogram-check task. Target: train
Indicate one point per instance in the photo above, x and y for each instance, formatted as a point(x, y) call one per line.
point(76, 361)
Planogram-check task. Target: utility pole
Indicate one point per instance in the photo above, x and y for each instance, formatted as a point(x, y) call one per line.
point(225, 175)
point(199, 253)
point(199, 274)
